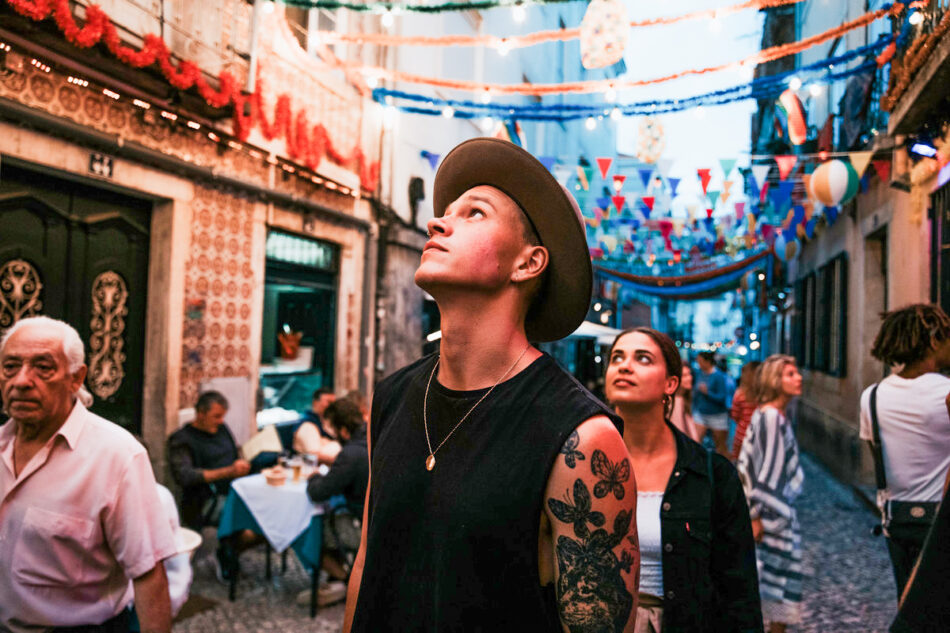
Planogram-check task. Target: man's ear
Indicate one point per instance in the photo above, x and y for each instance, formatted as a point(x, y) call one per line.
point(78, 377)
point(532, 263)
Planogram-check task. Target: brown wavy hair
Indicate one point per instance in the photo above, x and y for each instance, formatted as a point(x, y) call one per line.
point(671, 358)
point(768, 377)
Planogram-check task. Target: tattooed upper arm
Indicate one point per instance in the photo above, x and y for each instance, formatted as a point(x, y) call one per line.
point(591, 503)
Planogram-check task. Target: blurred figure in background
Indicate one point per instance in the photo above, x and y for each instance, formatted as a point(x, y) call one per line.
point(772, 477)
point(743, 405)
point(314, 436)
point(682, 416)
point(710, 395)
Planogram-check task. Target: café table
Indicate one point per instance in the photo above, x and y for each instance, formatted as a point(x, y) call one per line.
point(283, 515)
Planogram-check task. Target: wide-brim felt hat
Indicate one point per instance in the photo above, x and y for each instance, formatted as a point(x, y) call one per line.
point(564, 298)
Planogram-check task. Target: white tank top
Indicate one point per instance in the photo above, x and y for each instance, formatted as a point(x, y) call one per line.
point(651, 547)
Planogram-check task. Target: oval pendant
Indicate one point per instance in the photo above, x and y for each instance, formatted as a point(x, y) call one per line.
point(430, 462)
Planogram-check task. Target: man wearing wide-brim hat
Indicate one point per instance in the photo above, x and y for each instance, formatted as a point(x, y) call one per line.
point(501, 496)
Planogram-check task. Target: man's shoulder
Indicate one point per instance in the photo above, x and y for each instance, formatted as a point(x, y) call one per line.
point(108, 437)
point(402, 377)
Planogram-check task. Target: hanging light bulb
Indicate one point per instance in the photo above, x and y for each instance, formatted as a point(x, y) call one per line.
point(916, 18)
point(611, 95)
point(448, 112)
point(372, 81)
point(518, 13)
point(815, 90)
point(387, 19)
point(486, 97)
point(590, 123)
point(487, 124)
point(616, 114)
point(795, 83)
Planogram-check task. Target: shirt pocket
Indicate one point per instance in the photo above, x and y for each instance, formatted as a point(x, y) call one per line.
point(53, 549)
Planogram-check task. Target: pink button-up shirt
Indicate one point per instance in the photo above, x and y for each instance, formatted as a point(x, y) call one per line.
point(82, 518)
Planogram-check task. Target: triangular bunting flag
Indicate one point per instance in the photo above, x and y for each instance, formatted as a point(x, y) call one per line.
point(619, 202)
point(726, 187)
point(740, 210)
point(764, 192)
point(618, 182)
point(782, 194)
point(649, 201)
point(604, 165)
point(713, 198)
point(761, 175)
point(584, 174)
point(603, 203)
point(547, 161)
point(645, 176)
point(674, 183)
point(860, 160)
point(704, 178)
point(786, 164)
point(727, 164)
point(433, 159)
point(883, 169)
point(709, 214)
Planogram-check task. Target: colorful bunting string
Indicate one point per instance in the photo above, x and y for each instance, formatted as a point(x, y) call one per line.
point(530, 39)
point(603, 85)
point(383, 7)
point(762, 87)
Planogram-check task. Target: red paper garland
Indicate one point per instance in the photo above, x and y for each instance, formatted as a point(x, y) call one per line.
point(305, 143)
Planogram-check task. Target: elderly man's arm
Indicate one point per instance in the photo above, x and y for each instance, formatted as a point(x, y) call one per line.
point(152, 602)
point(591, 504)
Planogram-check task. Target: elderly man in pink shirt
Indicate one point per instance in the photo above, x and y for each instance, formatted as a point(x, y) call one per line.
point(79, 511)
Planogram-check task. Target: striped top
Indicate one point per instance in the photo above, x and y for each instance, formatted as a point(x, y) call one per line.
point(768, 464)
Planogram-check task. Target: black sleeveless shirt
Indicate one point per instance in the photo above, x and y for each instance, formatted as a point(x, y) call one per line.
point(456, 549)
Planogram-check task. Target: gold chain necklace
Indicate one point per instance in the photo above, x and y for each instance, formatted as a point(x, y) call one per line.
point(430, 460)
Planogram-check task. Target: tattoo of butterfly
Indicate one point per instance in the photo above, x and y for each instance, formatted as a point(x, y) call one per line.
point(612, 475)
point(570, 452)
point(579, 513)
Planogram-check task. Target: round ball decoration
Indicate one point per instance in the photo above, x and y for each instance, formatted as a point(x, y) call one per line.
point(603, 33)
point(786, 247)
point(791, 114)
point(834, 183)
point(651, 140)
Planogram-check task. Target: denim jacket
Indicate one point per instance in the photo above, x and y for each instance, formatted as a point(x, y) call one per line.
point(710, 582)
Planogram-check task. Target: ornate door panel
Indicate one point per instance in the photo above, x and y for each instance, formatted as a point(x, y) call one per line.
point(80, 254)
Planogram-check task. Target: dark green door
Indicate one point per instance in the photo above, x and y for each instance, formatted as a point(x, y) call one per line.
point(78, 253)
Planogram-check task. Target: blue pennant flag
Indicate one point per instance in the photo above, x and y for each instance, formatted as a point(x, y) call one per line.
point(548, 161)
point(603, 203)
point(646, 175)
point(781, 194)
point(832, 214)
point(674, 183)
point(432, 158)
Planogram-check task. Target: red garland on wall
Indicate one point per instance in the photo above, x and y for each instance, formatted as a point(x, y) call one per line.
point(303, 142)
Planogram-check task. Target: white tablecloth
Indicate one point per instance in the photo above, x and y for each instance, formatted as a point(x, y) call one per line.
point(283, 512)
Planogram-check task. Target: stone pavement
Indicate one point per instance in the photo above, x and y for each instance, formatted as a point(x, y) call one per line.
point(848, 588)
point(849, 585)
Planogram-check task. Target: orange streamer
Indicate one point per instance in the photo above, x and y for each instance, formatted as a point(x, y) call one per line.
point(602, 85)
point(521, 41)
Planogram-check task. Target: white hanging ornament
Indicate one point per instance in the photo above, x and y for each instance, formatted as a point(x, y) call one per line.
point(603, 33)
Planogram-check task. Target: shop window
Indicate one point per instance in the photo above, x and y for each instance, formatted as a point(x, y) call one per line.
point(820, 324)
point(299, 323)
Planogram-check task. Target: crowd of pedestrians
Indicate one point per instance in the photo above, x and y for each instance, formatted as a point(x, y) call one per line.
point(491, 490)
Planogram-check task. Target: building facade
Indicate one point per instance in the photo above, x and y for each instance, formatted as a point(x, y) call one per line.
point(888, 247)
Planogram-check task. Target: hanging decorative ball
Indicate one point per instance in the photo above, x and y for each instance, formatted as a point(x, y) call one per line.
point(651, 140)
point(834, 183)
point(603, 33)
point(791, 114)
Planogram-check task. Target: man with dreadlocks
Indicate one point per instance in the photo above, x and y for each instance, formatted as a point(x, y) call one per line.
point(906, 420)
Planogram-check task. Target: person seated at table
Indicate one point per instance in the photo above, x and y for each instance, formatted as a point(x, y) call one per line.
point(357, 396)
point(313, 436)
point(348, 476)
point(203, 459)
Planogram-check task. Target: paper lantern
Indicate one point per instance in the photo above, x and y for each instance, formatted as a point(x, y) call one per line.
point(603, 33)
point(651, 140)
point(786, 246)
point(834, 183)
point(791, 114)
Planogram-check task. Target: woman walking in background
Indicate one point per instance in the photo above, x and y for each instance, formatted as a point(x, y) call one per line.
point(743, 405)
point(682, 416)
point(697, 569)
point(772, 477)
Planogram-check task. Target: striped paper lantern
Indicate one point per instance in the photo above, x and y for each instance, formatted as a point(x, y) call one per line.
point(792, 115)
point(834, 183)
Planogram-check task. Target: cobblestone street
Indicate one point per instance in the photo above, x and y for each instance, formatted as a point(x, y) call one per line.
point(848, 586)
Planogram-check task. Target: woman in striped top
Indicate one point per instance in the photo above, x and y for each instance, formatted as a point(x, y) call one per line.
point(772, 478)
point(743, 404)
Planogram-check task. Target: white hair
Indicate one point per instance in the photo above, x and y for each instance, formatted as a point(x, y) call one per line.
point(73, 348)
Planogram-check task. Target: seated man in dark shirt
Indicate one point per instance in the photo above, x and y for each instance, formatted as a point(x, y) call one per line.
point(348, 476)
point(204, 459)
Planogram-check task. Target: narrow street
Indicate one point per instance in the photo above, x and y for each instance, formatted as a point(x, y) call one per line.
point(848, 585)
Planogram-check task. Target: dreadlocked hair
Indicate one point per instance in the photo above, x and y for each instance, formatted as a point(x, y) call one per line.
point(909, 334)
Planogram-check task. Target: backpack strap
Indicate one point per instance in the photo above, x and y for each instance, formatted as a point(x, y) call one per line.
point(876, 447)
